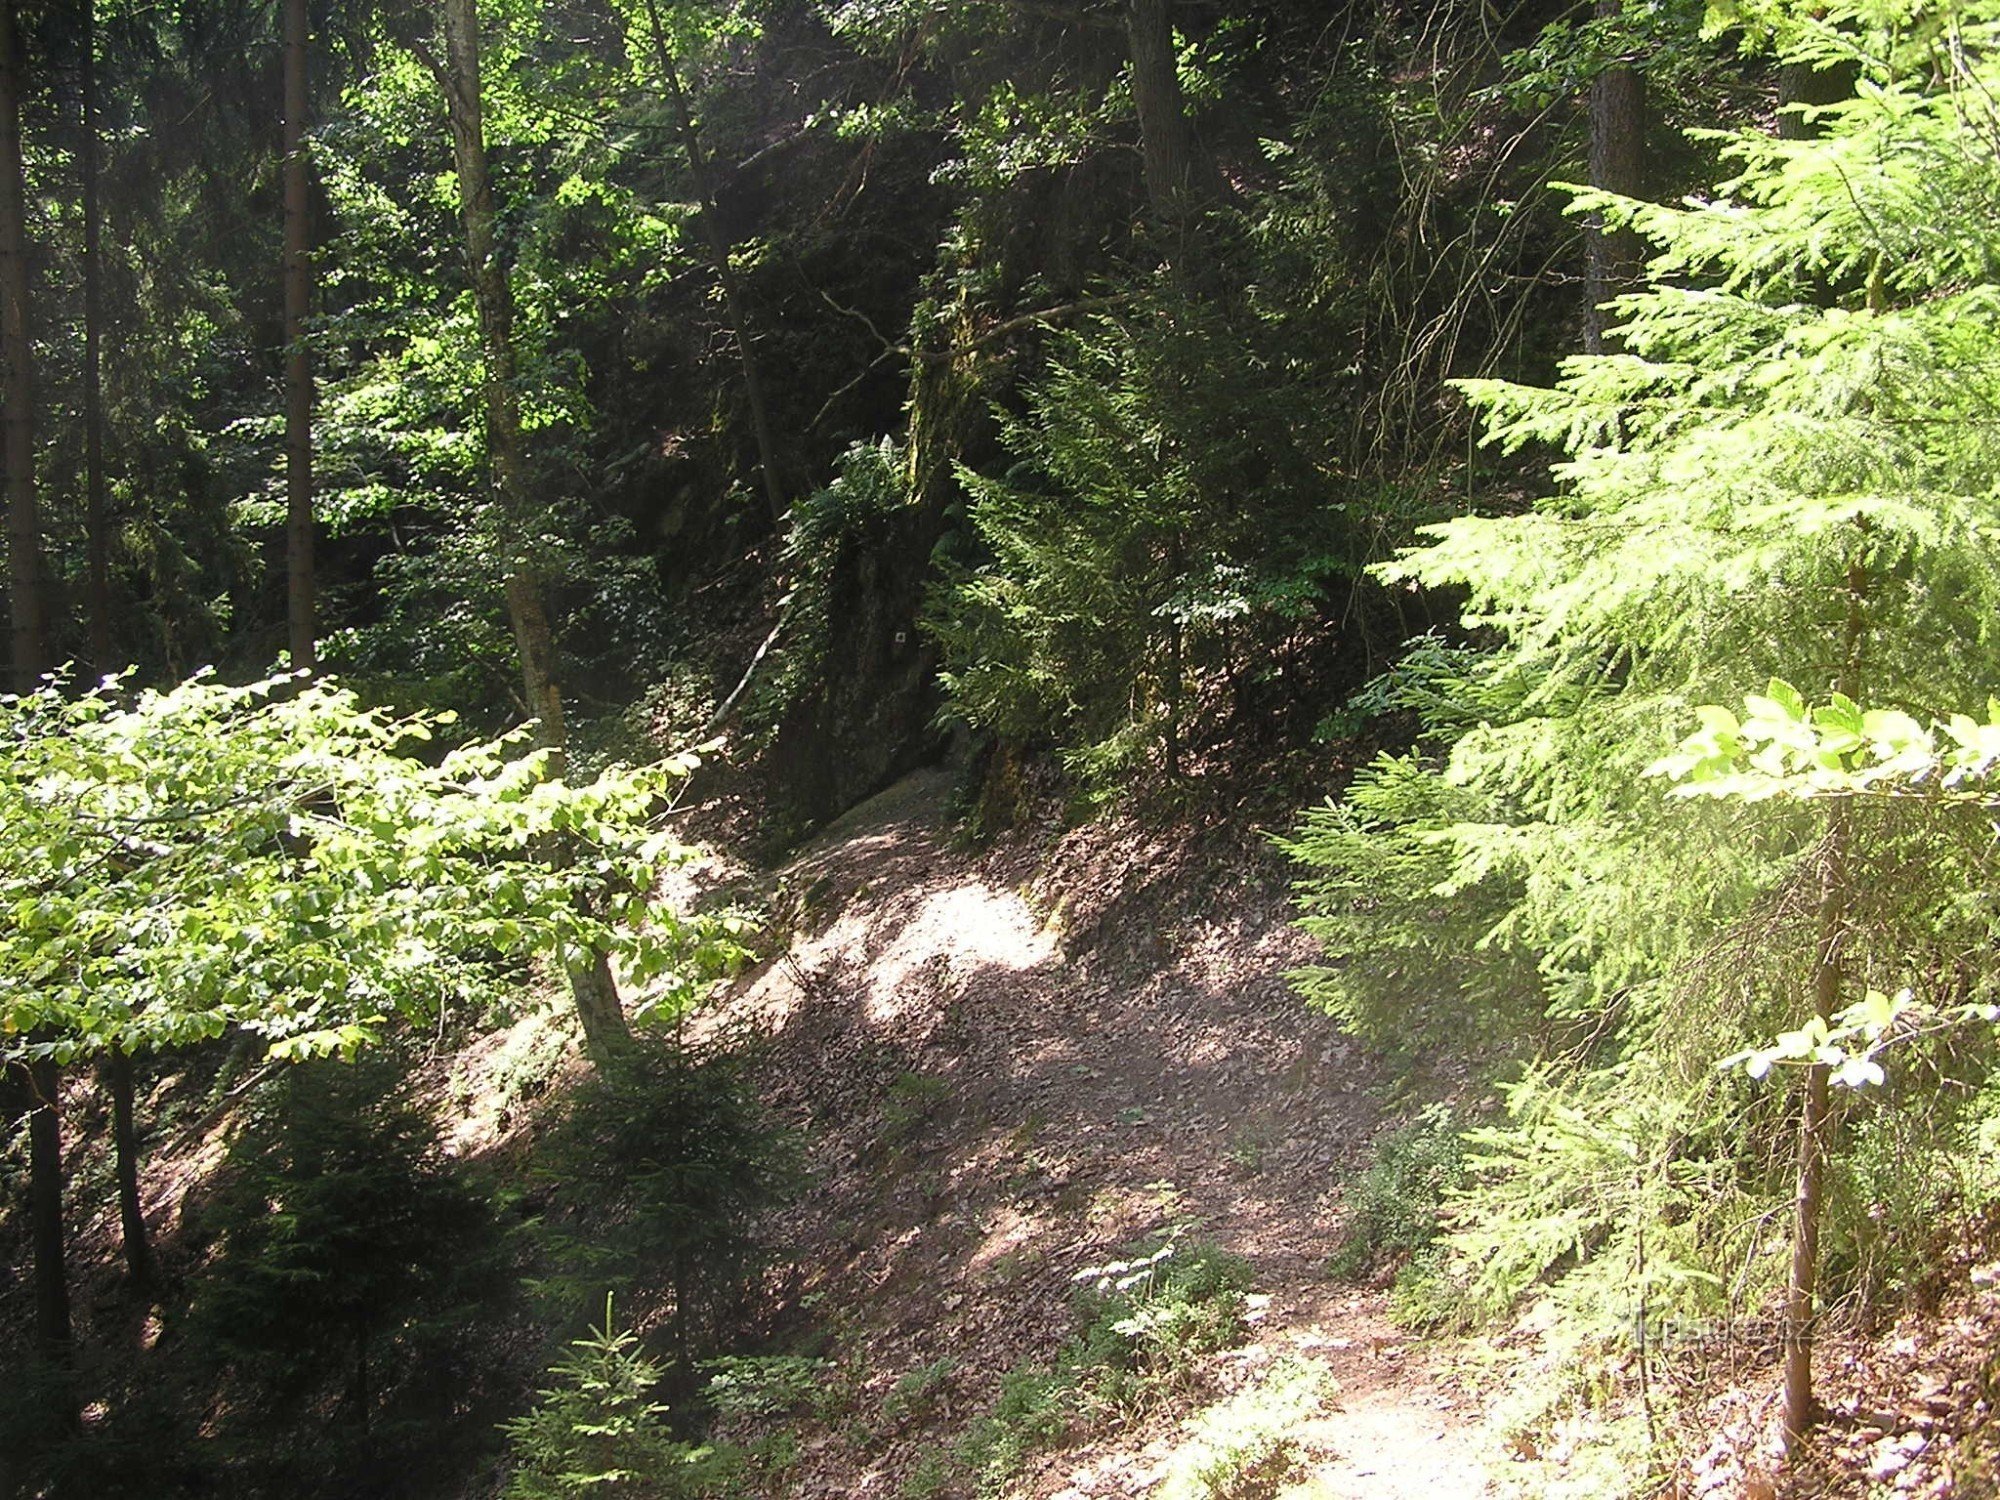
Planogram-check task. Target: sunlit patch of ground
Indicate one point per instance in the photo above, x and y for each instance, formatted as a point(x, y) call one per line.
point(996, 1101)
point(495, 1082)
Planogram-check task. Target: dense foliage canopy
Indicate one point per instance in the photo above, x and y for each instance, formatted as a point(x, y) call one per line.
point(272, 858)
point(1198, 408)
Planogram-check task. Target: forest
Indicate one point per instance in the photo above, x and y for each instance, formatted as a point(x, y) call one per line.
point(980, 748)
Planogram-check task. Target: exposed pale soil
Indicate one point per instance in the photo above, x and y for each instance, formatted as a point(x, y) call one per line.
point(1010, 1067)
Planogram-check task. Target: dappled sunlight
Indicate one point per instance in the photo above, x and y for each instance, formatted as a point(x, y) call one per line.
point(895, 959)
point(968, 927)
point(1000, 1102)
point(1008, 1233)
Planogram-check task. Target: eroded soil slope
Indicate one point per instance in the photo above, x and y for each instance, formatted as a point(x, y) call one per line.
point(1011, 1067)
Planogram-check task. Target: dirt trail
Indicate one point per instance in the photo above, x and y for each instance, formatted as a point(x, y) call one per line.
point(1008, 1075)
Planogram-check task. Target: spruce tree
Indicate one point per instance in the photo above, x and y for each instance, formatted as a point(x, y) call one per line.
point(595, 1431)
point(1786, 471)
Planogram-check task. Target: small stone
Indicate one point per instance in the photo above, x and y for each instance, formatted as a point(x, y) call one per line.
point(1892, 1455)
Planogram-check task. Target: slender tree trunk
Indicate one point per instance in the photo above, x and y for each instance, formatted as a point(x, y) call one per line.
point(1617, 164)
point(96, 522)
point(505, 451)
point(45, 1189)
point(725, 270)
point(25, 1089)
point(125, 1150)
point(1176, 672)
point(534, 643)
point(606, 1033)
point(1802, 83)
point(25, 582)
point(1166, 141)
point(364, 1393)
point(302, 603)
point(40, 1379)
point(1827, 979)
point(40, 1083)
point(460, 79)
point(1801, 1287)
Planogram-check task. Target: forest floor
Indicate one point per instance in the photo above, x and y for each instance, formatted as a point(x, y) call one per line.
point(1013, 1066)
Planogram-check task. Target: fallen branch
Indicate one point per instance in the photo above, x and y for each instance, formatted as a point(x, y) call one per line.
point(728, 707)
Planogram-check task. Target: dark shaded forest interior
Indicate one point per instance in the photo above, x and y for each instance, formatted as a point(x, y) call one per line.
point(974, 748)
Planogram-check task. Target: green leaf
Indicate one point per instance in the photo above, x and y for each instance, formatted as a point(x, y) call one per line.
point(1786, 699)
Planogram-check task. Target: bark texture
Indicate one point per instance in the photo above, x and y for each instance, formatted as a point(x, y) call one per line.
point(46, 1208)
point(1617, 164)
point(1165, 138)
point(302, 601)
point(606, 1033)
point(125, 1150)
point(500, 391)
point(38, 1084)
point(96, 507)
point(26, 584)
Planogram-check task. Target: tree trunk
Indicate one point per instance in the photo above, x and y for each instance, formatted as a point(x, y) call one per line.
point(593, 988)
point(1802, 83)
point(1617, 165)
point(39, 1380)
point(606, 1033)
point(45, 1207)
point(535, 644)
point(125, 1150)
point(1801, 1287)
point(505, 452)
point(363, 1387)
point(302, 603)
point(39, 1082)
point(1827, 979)
point(25, 583)
point(1165, 139)
point(96, 521)
point(504, 449)
point(725, 270)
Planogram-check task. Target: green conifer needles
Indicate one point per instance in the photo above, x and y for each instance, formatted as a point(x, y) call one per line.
point(596, 1432)
point(1787, 470)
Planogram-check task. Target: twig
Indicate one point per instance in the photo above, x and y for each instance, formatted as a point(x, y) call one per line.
point(722, 714)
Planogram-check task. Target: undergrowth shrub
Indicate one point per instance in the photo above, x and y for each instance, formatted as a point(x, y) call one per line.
point(1396, 1204)
point(1118, 588)
point(662, 1163)
point(763, 1385)
point(1246, 1446)
point(595, 1432)
point(40, 1453)
point(915, 1099)
point(351, 1259)
point(920, 1392)
point(1146, 1322)
point(1034, 1410)
point(1156, 1315)
point(931, 1478)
